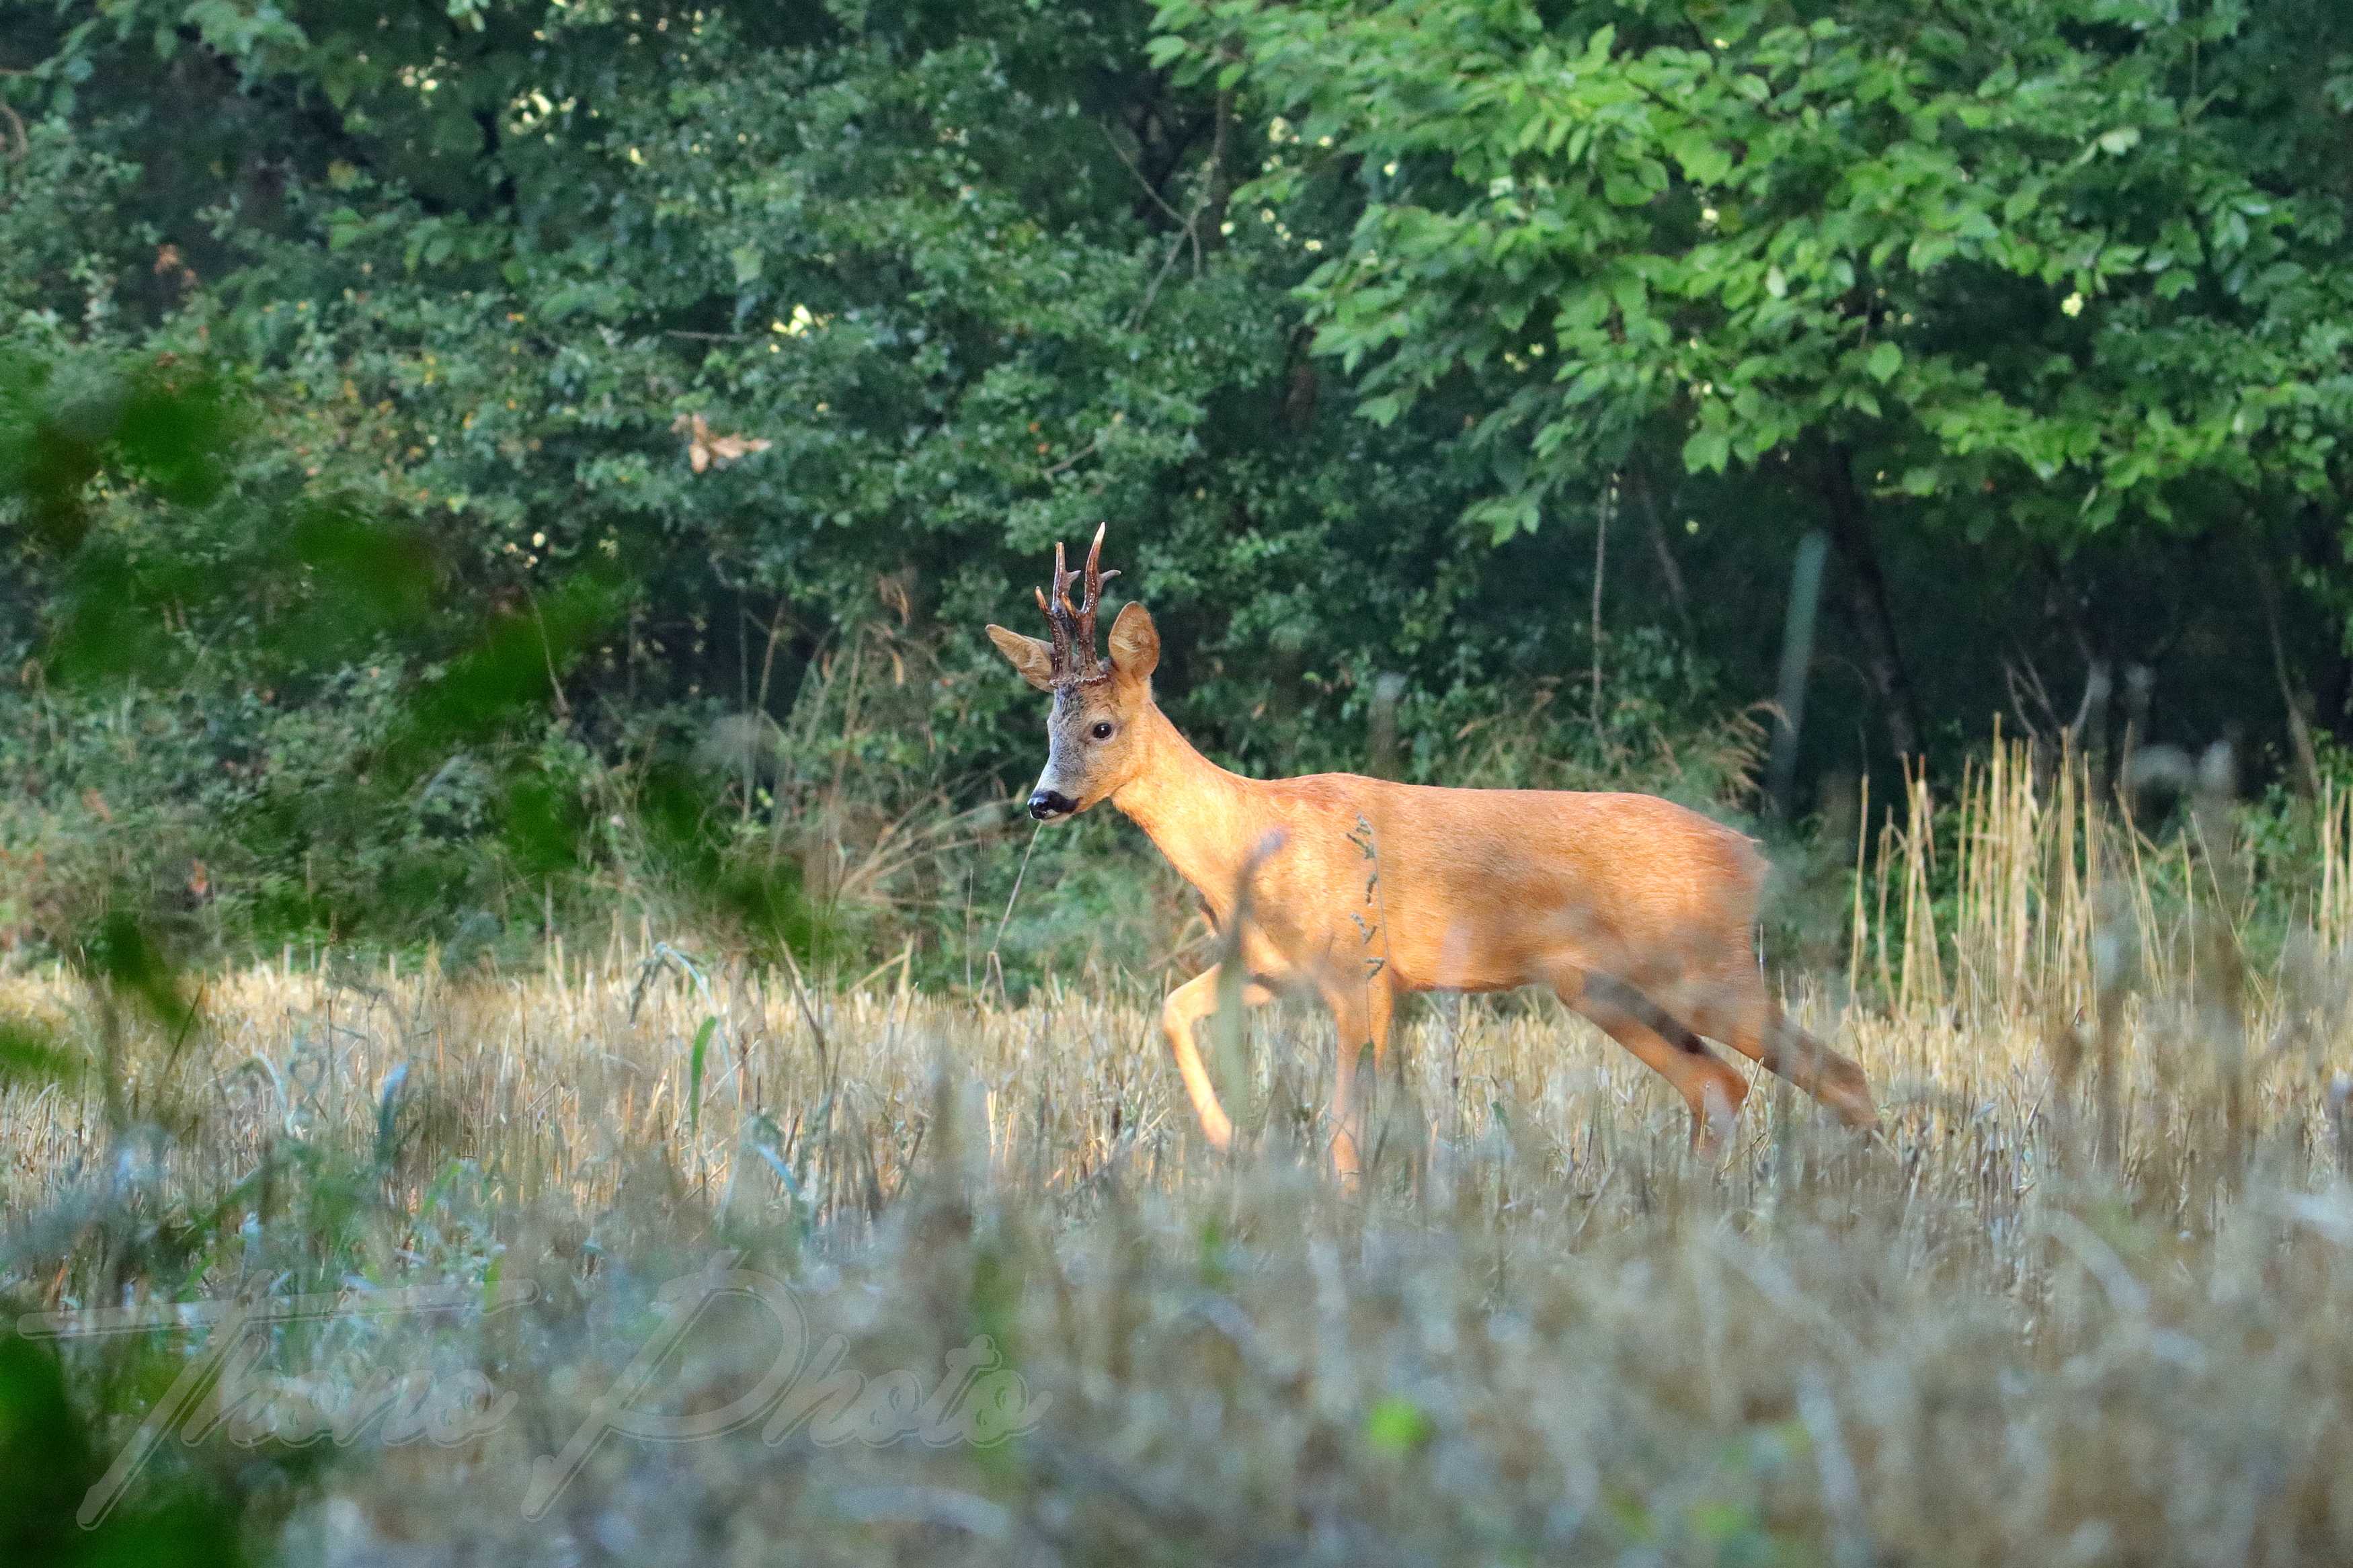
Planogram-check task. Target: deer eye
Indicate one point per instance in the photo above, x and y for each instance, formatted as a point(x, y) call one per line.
point(1102, 731)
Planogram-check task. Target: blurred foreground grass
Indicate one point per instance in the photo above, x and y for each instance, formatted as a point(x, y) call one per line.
point(1543, 1332)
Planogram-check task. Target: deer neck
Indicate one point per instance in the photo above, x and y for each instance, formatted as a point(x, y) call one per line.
point(1203, 818)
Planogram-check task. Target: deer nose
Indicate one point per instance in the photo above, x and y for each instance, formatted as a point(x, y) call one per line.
point(1046, 805)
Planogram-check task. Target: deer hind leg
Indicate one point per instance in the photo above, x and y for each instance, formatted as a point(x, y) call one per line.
point(1179, 1015)
point(1743, 1014)
point(1712, 1090)
point(1362, 1016)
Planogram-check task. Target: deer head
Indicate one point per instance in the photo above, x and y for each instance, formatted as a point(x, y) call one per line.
point(1091, 731)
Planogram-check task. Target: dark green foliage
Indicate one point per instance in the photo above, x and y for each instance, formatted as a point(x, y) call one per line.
point(428, 435)
point(53, 1461)
point(2038, 308)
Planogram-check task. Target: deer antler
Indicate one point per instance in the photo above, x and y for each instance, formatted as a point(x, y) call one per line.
point(1074, 627)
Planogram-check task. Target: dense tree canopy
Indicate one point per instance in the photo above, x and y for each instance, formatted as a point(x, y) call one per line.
point(1511, 348)
point(2058, 282)
point(957, 266)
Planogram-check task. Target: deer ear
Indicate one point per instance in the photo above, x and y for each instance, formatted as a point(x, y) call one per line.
point(1033, 658)
point(1134, 642)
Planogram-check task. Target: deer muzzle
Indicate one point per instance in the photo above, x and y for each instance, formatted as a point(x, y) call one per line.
point(1048, 805)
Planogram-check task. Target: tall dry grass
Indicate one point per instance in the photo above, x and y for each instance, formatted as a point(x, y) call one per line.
point(2088, 1299)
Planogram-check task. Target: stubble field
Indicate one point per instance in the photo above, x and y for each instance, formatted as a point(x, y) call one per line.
point(648, 1256)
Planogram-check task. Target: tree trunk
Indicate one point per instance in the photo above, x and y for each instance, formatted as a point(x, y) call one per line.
point(1797, 660)
point(1209, 232)
point(1866, 588)
point(1670, 572)
point(2293, 694)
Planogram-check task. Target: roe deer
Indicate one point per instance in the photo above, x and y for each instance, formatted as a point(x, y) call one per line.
point(1640, 913)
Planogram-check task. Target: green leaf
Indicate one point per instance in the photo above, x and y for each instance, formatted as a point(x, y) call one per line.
point(1708, 449)
point(29, 1056)
point(124, 954)
point(1395, 1426)
point(1724, 1523)
point(1704, 162)
point(1885, 359)
point(1625, 188)
point(345, 227)
point(694, 1069)
point(1508, 516)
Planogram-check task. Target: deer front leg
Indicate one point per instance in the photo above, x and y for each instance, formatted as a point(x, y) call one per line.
point(1185, 1008)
